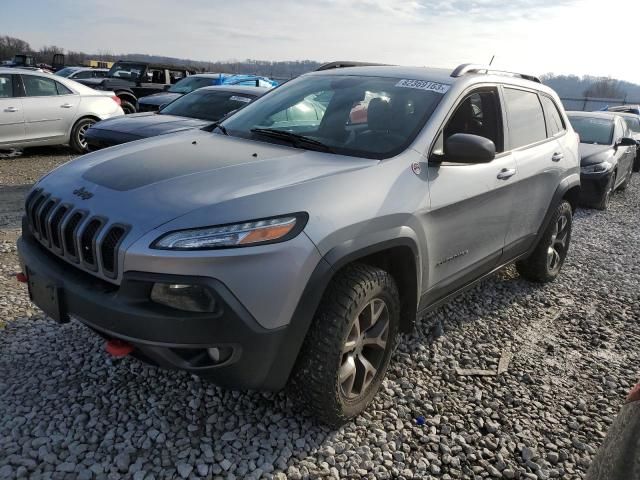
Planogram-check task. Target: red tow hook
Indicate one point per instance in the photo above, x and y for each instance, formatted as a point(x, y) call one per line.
point(21, 277)
point(118, 348)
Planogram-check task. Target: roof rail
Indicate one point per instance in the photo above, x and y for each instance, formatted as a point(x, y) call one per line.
point(347, 64)
point(487, 69)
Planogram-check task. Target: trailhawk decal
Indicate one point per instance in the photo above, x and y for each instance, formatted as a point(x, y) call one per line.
point(424, 85)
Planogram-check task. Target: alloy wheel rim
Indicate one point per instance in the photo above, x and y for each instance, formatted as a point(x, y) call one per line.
point(558, 245)
point(82, 140)
point(364, 348)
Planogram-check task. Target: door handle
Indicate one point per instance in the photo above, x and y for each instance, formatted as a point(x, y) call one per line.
point(506, 173)
point(66, 105)
point(11, 109)
point(557, 157)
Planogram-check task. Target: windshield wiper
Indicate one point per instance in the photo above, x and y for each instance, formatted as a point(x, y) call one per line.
point(293, 138)
point(211, 127)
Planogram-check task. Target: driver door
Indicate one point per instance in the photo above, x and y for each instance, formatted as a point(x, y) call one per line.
point(470, 203)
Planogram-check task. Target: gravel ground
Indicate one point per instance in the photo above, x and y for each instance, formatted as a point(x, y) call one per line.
point(68, 411)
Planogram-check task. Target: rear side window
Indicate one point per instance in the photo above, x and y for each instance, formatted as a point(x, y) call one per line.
point(555, 125)
point(84, 74)
point(526, 120)
point(6, 86)
point(39, 86)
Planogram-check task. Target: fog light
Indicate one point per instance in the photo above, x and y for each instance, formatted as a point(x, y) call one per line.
point(191, 298)
point(219, 354)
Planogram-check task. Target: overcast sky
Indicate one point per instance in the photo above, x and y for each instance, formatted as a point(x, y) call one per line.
point(536, 36)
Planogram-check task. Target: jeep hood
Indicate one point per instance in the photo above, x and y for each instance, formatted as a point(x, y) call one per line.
point(149, 124)
point(591, 154)
point(150, 182)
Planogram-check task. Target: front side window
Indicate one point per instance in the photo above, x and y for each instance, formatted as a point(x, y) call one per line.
point(314, 112)
point(555, 125)
point(39, 86)
point(526, 120)
point(62, 90)
point(207, 104)
point(593, 130)
point(6, 86)
point(633, 124)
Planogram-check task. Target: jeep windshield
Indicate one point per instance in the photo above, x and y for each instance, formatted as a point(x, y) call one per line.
point(129, 71)
point(207, 104)
point(362, 116)
point(189, 84)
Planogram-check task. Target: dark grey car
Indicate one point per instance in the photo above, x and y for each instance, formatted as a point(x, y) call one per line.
point(291, 244)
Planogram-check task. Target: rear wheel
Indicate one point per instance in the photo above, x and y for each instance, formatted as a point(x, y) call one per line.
point(349, 345)
point(78, 140)
point(547, 259)
point(128, 107)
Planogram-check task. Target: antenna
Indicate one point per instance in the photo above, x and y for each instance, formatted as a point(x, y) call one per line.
point(491, 62)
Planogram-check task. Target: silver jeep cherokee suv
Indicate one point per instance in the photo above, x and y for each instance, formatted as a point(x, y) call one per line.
point(290, 244)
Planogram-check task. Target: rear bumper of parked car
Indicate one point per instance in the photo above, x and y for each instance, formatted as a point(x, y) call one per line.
point(593, 186)
point(102, 138)
point(249, 356)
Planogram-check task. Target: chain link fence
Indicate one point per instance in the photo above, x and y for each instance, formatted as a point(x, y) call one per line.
point(590, 104)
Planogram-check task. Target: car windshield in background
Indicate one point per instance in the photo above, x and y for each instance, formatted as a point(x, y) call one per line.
point(189, 84)
point(207, 104)
point(65, 72)
point(130, 71)
point(598, 131)
point(370, 117)
point(633, 124)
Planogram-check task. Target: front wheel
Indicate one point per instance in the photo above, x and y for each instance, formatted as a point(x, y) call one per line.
point(78, 140)
point(349, 345)
point(547, 259)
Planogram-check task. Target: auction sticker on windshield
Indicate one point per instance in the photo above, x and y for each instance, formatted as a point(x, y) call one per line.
point(424, 85)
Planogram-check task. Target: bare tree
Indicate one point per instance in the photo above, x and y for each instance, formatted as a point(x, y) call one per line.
point(604, 88)
point(10, 46)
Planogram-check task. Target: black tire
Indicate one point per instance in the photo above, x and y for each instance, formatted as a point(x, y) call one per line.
point(128, 107)
point(603, 204)
point(627, 181)
point(353, 294)
point(77, 141)
point(544, 265)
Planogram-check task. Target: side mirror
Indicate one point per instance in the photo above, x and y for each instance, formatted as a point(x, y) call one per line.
point(627, 142)
point(467, 148)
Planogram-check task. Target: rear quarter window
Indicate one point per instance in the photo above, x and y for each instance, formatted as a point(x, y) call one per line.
point(555, 124)
point(526, 122)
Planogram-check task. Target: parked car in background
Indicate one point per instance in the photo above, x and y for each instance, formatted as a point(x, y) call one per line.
point(43, 109)
point(133, 80)
point(77, 73)
point(625, 109)
point(194, 110)
point(607, 154)
point(270, 250)
point(633, 123)
point(152, 103)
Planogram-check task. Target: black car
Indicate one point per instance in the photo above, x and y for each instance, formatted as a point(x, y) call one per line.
point(607, 154)
point(194, 110)
point(133, 80)
point(633, 122)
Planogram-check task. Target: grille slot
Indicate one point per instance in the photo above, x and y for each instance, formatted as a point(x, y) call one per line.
point(109, 251)
point(42, 218)
point(91, 242)
point(54, 226)
point(69, 234)
point(88, 240)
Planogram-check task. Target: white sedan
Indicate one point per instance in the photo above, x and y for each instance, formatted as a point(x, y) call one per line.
point(42, 109)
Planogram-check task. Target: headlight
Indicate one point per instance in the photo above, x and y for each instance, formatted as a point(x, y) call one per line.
point(256, 232)
point(596, 168)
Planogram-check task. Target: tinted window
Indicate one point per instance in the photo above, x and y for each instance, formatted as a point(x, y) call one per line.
point(39, 86)
point(394, 118)
point(83, 74)
point(6, 86)
point(478, 114)
point(597, 131)
point(526, 120)
point(99, 74)
point(62, 90)
point(633, 124)
point(207, 104)
point(555, 124)
point(65, 72)
point(189, 84)
point(131, 71)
